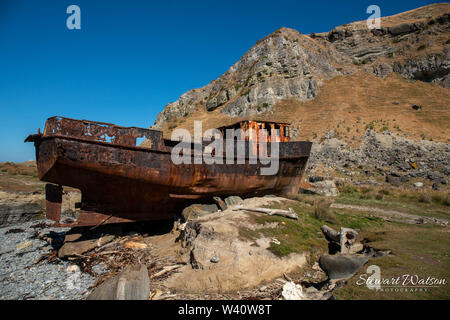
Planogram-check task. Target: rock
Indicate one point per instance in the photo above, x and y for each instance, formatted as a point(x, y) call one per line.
point(21, 207)
point(24, 245)
point(435, 186)
point(341, 266)
point(215, 259)
point(404, 179)
point(338, 182)
point(222, 205)
point(313, 179)
point(15, 230)
point(375, 253)
point(416, 107)
point(198, 210)
point(393, 179)
point(316, 267)
point(133, 283)
point(288, 65)
point(311, 290)
point(326, 188)
point(234, 201)
point(418, 184)
point(292, 291)
point(73, 268)
point(355, 248)
point(79, 247)
point(402, 29)
point(284, 65)
point(382, 70)
point(237, 269)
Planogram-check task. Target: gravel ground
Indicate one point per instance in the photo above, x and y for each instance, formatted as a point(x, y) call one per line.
point(19, 279)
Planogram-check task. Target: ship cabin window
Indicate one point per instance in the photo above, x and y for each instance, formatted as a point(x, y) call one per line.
point(286, 132)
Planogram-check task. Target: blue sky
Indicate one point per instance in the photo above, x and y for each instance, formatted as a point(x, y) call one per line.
point(131, 58)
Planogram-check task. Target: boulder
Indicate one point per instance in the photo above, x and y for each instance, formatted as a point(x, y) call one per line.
point(325, 188)
point(342, 266)
point(197, 210)
point(234, 201)
point(393, 179)
point(24, 245)
point(20, 207)
point(313, 179)
point(402, 29)
point(418, 184)
point(133, 283)
point(404, 178)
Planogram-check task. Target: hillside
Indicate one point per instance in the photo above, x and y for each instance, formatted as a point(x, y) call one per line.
point(347, 80)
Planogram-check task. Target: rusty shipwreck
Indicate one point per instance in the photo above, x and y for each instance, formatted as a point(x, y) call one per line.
point(123, 180)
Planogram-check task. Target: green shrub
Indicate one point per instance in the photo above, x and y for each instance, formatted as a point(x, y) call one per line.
point(348, 189)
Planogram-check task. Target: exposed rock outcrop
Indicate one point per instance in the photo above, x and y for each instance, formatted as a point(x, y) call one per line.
point(221, 259)
point(289, 65)
point(285, 64)
point(412, 44)
point(19, 207)
point(426, 159)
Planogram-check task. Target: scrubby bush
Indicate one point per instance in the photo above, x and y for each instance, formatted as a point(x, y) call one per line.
point(442, 198)
point(348, 189)
point(379, 196)
point(424, 197)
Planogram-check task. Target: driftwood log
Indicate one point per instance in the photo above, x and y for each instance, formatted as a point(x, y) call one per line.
point(330, 234)
point(345, 238)
point(277, 212)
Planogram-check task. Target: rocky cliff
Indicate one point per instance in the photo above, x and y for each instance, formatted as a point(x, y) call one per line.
point(287, 65)
point(414, 44)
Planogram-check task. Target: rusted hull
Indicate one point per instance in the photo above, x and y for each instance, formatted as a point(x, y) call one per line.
point(122, 183)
